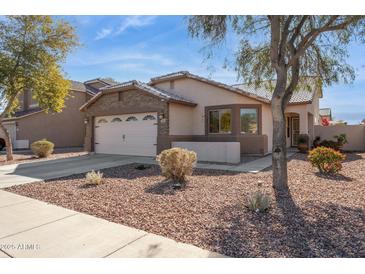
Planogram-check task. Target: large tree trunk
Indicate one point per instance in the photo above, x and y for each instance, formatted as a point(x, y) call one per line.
point(279, 161)
point(9, 147)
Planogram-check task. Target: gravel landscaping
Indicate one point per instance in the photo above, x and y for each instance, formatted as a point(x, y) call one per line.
point(324, 216)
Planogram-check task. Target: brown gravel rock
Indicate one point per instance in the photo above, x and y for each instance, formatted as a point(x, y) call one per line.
point(322, 216)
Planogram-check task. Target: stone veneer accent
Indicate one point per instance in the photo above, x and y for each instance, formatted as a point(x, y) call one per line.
point(124, 102)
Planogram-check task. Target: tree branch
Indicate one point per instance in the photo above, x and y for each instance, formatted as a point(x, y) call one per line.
point(275, 37)
point(298, 29)
point(8, 107)
point(283, 42)
point(310, 37)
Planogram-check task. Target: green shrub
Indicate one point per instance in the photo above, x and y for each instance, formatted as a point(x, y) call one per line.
point(177, 163)
point(42, 148)
point(329, 144)
point(327, 160)
point(316, 141)
point(303, 139)
point(341, 140)
point(258, 201)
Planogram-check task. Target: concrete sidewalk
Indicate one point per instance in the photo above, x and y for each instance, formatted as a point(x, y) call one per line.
point(35, 229)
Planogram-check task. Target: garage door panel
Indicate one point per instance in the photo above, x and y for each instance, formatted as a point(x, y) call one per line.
point(140, 136)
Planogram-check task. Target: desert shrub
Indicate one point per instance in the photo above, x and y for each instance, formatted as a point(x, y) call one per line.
point(341, 139)
point(258, 201)
point(94, 178)
point(42, 148)
point(303, 139)
point(177, 163)
point(316, 141)
point(327, 160)
point(329, 144)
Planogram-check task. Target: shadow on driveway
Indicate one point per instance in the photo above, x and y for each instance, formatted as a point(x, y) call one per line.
point(49, 169)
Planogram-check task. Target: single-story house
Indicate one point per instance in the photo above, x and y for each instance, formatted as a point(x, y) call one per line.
point(137, 118)
point(65, 129)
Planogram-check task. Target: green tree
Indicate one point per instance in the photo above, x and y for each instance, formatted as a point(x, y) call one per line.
point(32, 49)
point(284, 51)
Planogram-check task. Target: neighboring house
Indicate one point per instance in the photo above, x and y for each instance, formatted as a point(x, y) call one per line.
point(325, 113)
point(136, 118)
point(65, 129)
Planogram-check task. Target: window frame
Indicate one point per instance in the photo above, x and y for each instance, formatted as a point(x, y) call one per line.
point(102, 121)
point(257, 120)
point(149, 115)
point(116, 120)
point(132, 118)
point(219, 121)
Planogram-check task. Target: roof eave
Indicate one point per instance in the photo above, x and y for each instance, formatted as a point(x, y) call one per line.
point(20, 117)
point(171, 78)
point(191, 104)
point(210, 82)
point(301, 103)
point(133, 85)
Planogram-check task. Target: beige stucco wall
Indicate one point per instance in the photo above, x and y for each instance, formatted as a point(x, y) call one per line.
point(302, 110)
point(180, 119)
point(64, 129)
point(355, 135)
point(208, 95)
point(204, 95)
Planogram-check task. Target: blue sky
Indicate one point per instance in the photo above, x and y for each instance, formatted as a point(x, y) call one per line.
point(141, 47)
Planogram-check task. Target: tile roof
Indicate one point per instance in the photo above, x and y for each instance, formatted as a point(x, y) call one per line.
point(150, 89)
point(76, 85)
point(186, 74)
point(109, 81)
point(21, 113)
point(298, 97)
point(142, 86)
point(86, 87)
point(260, 94)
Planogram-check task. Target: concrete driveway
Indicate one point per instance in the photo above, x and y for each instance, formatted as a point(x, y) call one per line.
point(23, 173)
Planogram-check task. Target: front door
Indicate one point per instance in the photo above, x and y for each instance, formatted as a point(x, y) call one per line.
point(294, 131)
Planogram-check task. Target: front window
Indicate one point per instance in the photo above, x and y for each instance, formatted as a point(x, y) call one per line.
point(249, 120)
point(220, 121)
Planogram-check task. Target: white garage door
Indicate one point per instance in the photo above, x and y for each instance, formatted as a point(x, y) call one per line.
point(127, 134)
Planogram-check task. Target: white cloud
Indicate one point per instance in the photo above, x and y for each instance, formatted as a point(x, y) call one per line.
point(135, 22)
point(127, 22)
point(121, 55)
point(103, 33)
